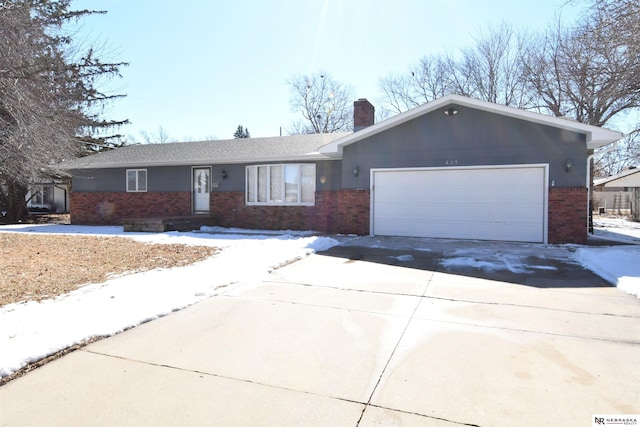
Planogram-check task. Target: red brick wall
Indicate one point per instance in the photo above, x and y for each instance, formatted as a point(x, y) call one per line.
point(112, 208)
point(345, 211)
point(354, 211)
point(567, 215)
point(331, 213)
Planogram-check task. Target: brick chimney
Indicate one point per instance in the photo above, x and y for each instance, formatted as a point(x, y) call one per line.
point(363, 114)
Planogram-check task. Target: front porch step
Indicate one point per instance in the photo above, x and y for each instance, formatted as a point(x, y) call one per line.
point(160, 225)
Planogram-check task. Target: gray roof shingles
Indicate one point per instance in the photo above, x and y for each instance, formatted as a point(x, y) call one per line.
point(241, 150)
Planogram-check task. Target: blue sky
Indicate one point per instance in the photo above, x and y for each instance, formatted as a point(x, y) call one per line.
point(200, 68)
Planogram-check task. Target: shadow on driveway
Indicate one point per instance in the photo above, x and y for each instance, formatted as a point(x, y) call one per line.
point(536, 265)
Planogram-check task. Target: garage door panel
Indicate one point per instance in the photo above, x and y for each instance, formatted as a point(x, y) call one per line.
point(458, 212)
point(467, 230)
point(458, 230)
point(475, 203)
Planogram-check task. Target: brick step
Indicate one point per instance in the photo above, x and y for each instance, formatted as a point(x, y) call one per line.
point(160, 225)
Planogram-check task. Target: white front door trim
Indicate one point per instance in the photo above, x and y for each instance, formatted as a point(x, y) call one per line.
point(200, 190)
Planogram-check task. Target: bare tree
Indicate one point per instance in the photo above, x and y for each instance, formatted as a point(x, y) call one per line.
point(160, 136)
point(591, 72)
point(48, 96)
point(429, 79)
point(626, 155)
point(493, 69)
point(581, 74)
point(325, 104)
point(618, 21)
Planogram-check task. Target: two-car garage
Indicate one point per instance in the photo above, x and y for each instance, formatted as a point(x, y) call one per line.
point(485, 202)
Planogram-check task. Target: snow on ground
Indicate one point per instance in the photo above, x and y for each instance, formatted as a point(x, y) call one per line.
point(619, 265)
point(33, 330)
point(494, 260)
point(613, 254)
point(30, 331)
point(616, 229)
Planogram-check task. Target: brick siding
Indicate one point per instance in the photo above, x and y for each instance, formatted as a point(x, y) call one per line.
point(112, 208)
point(334, 211)
point(354, 211)
point(345, 211)
point(568, 215)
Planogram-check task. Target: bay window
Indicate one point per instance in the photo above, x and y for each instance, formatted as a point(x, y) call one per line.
point(281, 184)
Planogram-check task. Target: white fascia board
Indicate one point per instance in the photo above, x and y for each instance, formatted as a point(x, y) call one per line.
point(596, 136)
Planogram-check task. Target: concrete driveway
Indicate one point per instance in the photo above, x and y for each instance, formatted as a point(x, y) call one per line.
point(394, 333)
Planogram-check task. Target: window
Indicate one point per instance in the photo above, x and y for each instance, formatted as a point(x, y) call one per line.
point(136, 180)
point(286, 184)
point(42, 195)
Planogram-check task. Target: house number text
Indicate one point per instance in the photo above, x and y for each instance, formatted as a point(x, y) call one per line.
point(451, 163)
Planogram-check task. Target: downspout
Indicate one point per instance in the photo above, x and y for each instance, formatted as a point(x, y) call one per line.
point(65, 196)
point(589, 158)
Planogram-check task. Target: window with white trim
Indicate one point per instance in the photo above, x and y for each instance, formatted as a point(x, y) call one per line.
point(283, 184)
point(136, 180)
point(42, 195)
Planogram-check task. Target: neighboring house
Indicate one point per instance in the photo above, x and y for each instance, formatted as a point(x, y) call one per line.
point(618, 194)
point(48, 197)
point(455, 167)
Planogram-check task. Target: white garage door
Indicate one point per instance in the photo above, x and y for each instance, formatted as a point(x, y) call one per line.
point(485, 203)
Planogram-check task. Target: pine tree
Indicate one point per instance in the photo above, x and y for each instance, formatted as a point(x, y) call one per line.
point(48, 96)
point(241, 132)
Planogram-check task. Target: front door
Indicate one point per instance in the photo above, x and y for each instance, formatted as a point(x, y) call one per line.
point(201, 188)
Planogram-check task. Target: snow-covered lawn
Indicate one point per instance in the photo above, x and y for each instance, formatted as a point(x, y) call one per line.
point(616, 229)
point(30, 331)
point(619, 265)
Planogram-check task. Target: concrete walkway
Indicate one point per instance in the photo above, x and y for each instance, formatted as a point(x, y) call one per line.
point(359, 336)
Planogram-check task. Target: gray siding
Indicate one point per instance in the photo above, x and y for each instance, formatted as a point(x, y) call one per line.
point(98, 180)
point(329, 175)
point(471, 137)
point(178, 178)
point(172, 178)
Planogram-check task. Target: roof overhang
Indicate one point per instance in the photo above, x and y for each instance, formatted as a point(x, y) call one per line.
point(596, 137)
point(630, 178)
point(77, 165)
